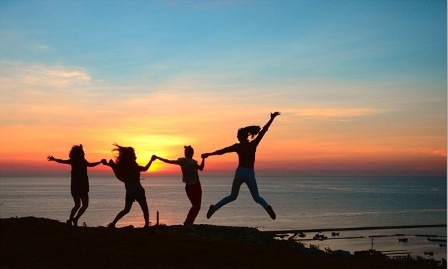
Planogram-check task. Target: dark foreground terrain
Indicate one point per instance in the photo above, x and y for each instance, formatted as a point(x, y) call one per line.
point(43, 243)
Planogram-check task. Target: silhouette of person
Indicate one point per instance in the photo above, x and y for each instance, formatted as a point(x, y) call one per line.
point(190, 177)
point(79, 181)
point(128, 171)
point(245, 172)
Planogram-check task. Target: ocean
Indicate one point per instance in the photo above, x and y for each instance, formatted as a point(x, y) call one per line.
point(299, 202)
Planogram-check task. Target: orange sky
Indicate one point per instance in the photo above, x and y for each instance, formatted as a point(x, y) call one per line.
point(327, 141)
point(361, 88)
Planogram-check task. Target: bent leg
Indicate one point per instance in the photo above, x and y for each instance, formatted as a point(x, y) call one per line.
point(75, 208)
point(253, 188)
point(233, 194)
point(85, 203)
point(122, 213)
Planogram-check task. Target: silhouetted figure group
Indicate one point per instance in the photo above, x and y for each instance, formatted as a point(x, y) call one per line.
point(127, 170)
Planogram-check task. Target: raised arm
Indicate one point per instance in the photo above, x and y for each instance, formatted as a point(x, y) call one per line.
point(146, 167)
point(266, 127)
point(51, 158)
point(220, 151)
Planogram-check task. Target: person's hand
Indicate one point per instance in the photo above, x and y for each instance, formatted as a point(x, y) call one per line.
point(204, 156)
point(275, 114)
point(153, 157)
point(104, 161)
point(50, 158)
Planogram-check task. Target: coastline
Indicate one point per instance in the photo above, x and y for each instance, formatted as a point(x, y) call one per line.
point(38, 242)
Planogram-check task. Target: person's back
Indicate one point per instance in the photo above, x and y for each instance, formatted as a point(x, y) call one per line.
point(79, 178)
point(246, 154)
point(189, 170)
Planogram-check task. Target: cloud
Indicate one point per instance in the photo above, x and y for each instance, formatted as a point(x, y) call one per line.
point(19, 75)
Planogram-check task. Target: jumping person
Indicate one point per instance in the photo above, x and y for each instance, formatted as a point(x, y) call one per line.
point(245, 172)
point(128, 171)
point(190, 177)
point(79, 186)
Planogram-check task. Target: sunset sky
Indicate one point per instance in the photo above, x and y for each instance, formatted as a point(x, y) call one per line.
point(361, 85)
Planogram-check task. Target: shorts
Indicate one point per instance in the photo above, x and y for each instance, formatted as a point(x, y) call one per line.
point(135, 192)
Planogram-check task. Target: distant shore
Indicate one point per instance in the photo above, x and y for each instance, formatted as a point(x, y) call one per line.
point(43, 243)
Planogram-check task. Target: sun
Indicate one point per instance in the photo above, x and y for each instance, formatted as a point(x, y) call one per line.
point(145, 146)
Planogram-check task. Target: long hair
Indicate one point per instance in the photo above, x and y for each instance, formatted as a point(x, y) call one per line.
point(126, 156)
point(245, 132)
point(76, 153)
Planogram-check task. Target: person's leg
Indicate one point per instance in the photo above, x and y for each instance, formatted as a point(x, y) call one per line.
point(144, 205)
point(77, 200)
point(251, 183)
point(122, 213)
point(253, 188)
point(85, 203)
point(237, 181)
point(194, 193)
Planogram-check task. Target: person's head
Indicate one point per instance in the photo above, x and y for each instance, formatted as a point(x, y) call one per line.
point(244, 133)
point(76, 153)
point(189, 151)
point(126, 155)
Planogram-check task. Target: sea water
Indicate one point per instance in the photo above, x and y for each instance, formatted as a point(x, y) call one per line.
point(299, 202)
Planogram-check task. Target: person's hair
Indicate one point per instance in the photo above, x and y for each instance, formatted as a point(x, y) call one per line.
point(125, 157)
point(244, 133)
point(189, 151)
point(76, 153)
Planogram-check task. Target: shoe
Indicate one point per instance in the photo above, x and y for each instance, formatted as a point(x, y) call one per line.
point(271, 212)
point(211, 211)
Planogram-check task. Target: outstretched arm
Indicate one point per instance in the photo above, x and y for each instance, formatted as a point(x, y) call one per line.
point(220, 151)
point(167, 161)
point(153, 158)
point(51, 158)
point(95, 163)
point(266, 127)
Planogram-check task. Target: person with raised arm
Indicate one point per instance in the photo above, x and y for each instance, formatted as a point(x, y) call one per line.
point(79, 186)
point(128, 171)
point(246, 160)
point(190, 177)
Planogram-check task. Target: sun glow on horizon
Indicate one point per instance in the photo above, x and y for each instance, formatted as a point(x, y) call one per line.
point(351, 97)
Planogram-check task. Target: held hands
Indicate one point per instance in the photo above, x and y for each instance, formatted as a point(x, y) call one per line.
point(153, 158)
point(104, 162)
point(204, 156)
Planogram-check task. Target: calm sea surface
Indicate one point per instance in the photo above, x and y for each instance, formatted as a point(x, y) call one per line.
point(300, 203)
